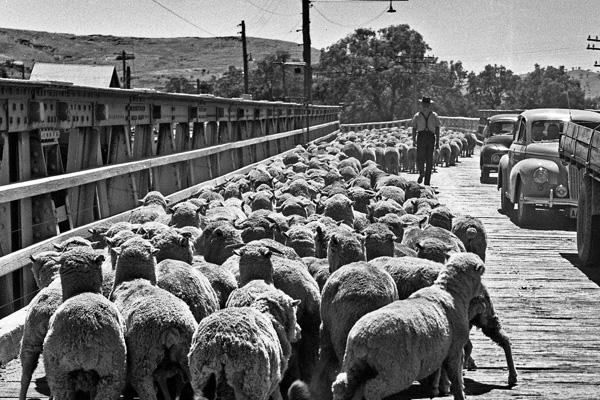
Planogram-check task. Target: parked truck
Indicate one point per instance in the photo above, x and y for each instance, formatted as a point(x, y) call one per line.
point(580, 146)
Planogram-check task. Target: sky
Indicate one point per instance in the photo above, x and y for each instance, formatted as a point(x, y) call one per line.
point(514, 33)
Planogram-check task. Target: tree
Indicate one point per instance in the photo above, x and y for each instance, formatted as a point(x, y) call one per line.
point(231, 84)
point(179, 84)
point(445, 83)
point(492, 88)
point(549, 87)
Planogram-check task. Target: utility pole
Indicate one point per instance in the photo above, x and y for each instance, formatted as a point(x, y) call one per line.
point(414, 64)
point(306, 51)
point(125, 56)
point(245, 55)
point(593, 47)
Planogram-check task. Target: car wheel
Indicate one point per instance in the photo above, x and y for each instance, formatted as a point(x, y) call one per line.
point(505, 204)
point(588, 226)
point(525, 212)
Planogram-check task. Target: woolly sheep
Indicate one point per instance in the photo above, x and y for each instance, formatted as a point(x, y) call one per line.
point(339, 208)
point(384, 207)
point(361, 198)
point(393, 346)
point(345, 247)
point(159, 326)
point(257, 340)
point(392, 160)
point(445, 154)
point(441, 217)
point(221, 279)
point(411, 159)
point(391, 193)
point(45, 268)
point(350, 293)
point(257, 227)
point(412, 274)
point(180, 279)
point(413, 236)
point(302, 240)
point(185, 214)
point(173, 244)
point(218, 237)
point(379, 241)
point(454, 152)
point(154, 205)
point(471, 232)
point(85, 347)
point(433, 249)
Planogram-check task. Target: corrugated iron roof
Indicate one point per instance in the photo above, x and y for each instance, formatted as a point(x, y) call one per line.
point(100, 76)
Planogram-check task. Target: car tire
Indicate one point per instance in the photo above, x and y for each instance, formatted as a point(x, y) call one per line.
point(525, 212)
point(505, 204)
point(588, 226)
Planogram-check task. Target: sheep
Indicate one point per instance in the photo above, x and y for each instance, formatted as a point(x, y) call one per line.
point(173, 244)
point(257, 227)
point(154, 205)
point(302, 240)
point(361, 198)
point(188, 284)
point(391, 193)
point(393, 346)
point(218, 236)
point(379, 241)
point(454, 152)
point(345, 247)
point(339, 207)
point(392, 160)
point(433, 249)
point(45, 268)
point(445, 154)
point(159, 326)
point(221, 279)
point(471, 232)
point(411, 159)
point(350, 292)
point(85, 345)
point(394, 224)
point(413, 236)
point(412, 274)
point(41, 308)
point(261, 200)
point(258, 342)
point(441, 217)
point(185, 214)
point(384, 207)
point(352, 149)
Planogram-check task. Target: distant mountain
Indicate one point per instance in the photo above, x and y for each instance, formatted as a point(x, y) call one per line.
point(589, 81)
point(156, 59)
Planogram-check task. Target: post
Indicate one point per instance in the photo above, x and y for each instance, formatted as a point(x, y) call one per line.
point(306, 51)
point(245, 55)
point(124, 55)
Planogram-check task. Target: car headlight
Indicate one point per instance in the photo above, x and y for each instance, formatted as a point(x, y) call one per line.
point(495, 158)
point(561, 191)
point(540, 176)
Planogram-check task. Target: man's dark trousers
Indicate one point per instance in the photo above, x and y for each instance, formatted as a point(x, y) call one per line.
point(425, 146)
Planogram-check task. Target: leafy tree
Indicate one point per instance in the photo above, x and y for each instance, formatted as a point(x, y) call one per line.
point(179, 84)
point(231, 84)
point(492, 88)
point(549, 87)
point(445, 83)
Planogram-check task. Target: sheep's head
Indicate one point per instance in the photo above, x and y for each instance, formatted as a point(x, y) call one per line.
point(80, 271)
point(282, 311)
point(345, 247)
point(175, 245)
point(462, 275)
point(433, 249)
point(45, 267)
point(185, 214)
point(379, 241)
point(71, 243)
point(217, 237)
point(155, 198)
point(136, 260)
point(255, 262)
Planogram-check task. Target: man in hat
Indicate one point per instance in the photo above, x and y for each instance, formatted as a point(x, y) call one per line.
point(426, 137)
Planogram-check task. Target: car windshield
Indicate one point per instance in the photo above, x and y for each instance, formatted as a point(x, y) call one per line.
point(546, 130)
point(501, 128)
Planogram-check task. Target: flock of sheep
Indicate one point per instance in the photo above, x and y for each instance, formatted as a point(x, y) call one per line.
point(322, 275)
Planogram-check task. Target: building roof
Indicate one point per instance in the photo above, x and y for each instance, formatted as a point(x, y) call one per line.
point(100, 76)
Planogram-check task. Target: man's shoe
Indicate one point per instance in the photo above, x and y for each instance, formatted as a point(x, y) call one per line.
point(420, 179)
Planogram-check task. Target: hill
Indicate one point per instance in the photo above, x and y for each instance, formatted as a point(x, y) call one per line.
point(156, 59)
point(589, 80)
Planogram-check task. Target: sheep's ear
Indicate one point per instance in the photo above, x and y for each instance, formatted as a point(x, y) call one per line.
point(141, 201)
point(333, 240)
point(422, 221)
point(418, 246)
point(32, 258)
point(58, 246)
point(275, 250)
point(186, 234)
point(235, 246)
point(236, 252)
point(95, 245)
point(154, 251)
point(296, 303)
point(479, 267)
point(99, 259)
point(117, 250)
point(285, 235)
point(392, 237)
point(319, 230)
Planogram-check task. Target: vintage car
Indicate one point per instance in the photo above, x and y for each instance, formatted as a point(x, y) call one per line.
point(498, 136)
point(531, 174)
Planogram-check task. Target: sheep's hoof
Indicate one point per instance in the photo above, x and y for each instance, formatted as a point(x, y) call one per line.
point(512, 380)
point(470, 364)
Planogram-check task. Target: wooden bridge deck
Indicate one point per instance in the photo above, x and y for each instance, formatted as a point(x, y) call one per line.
point(548, 303)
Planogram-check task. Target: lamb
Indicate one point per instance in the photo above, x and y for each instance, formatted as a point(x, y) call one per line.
point(159, 326)
point(180, 279)
point(258, 342)
point(394, 224)
point(350, 293)
point(85, 346)
point(361, 198)
point(393, 346)
point(471, 232)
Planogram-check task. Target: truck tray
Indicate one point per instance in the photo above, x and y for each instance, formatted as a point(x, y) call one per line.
point(581, 145)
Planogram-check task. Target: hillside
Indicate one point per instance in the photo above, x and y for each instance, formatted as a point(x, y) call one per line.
point(589, 80)
point(156, 59)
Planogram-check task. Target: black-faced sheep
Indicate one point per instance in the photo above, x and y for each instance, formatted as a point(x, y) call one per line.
point(389, 348)
point(257, 340)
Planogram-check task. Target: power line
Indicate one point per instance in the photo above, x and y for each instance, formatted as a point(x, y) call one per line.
point(184, 19)
point(269, 11)
point(350, 26)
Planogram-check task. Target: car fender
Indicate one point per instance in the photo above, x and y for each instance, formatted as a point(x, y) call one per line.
point(522, 173)
point(502, 168)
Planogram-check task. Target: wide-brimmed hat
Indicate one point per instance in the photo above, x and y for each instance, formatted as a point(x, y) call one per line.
point(426, 100)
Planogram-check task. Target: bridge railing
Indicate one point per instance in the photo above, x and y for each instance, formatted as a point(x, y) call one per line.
point(72, 155)
point(455, 123)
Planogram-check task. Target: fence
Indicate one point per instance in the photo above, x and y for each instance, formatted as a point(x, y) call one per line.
point(455, 123)
point(72, 155)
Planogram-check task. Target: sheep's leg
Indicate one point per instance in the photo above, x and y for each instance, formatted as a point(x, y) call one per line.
point(469, 363)
point(454, 371)
point(162, 384)
point(144, 386)
point(109, 388)
point(29, 362)
point(495, 332)
point(61, 386)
